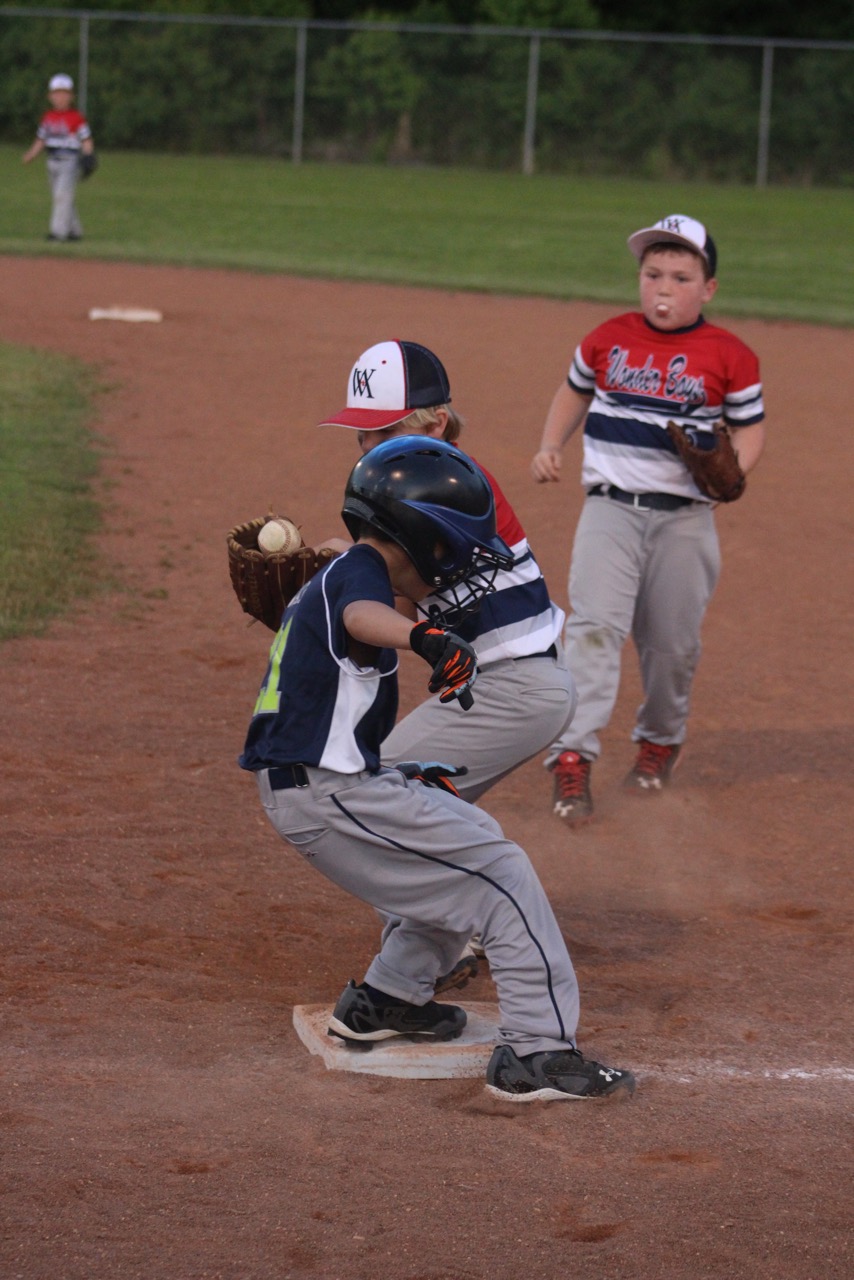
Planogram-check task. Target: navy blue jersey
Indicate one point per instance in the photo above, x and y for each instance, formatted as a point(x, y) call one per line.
point(316, 706)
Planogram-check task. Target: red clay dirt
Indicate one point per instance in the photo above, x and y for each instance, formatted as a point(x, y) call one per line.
point(160, 1118)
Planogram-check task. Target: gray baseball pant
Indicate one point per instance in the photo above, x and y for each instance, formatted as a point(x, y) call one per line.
point(648, 574)
point(520, 706)
point(445, 868)
point(63, 175)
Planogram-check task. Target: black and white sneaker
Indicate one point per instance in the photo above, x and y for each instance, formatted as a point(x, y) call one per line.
point(560, 1075)
point(361, 1017)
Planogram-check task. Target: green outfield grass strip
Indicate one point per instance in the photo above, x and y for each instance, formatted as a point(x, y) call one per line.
point(47, 509)
point(784, 252)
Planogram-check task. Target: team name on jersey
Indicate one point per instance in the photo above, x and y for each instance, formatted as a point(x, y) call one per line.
point(674, 383)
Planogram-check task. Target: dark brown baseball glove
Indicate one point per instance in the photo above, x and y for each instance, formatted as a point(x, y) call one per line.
point(87, 163)
point(711, 459)
point(266, 582)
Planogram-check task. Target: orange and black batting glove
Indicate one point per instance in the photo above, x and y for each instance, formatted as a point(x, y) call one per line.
point(433, 773)
point(453, 660)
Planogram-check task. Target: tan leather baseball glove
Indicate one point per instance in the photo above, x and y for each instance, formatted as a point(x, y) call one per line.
point(711, 459)
point(266, 582)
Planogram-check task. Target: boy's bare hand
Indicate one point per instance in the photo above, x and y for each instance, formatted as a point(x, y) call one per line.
point(545, 465)
point(338, 545)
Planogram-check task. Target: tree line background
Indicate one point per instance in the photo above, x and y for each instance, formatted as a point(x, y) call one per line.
point(653, 110)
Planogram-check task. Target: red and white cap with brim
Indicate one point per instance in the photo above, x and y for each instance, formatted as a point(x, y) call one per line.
point(676, 228)
point(387, 382)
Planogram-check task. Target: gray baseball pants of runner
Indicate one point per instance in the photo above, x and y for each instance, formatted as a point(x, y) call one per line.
point(648, 574)
point(445, 868)
point(520, 706)
point(63, 175)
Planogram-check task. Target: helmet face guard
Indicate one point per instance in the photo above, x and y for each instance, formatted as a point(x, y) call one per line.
point(435, 503)
point(449, 606)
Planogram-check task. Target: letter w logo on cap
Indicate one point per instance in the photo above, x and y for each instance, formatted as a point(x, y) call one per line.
point(362, 382)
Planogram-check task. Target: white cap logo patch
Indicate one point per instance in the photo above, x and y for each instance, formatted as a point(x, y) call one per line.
point(377, 380)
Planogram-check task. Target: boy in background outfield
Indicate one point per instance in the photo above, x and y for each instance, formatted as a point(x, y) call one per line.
point(63, 134)
point(422, 517)
point(645, 558)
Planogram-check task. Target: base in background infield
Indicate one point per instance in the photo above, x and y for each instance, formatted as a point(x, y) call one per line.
point(133, 314)
point(414, 1060)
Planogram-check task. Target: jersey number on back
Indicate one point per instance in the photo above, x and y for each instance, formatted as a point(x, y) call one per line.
point(269, 696)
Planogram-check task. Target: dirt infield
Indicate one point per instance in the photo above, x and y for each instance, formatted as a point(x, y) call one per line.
point(160, 1119)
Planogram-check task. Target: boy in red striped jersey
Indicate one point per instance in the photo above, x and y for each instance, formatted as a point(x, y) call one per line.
point(645, 558)
point(64, 135)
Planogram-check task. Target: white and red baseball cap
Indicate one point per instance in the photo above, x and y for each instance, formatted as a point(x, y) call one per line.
point(676, 228)
point(387, 382)
point(60, 82)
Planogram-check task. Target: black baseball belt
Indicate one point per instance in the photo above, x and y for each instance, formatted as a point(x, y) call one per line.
point(650, 501)
point(283, 777)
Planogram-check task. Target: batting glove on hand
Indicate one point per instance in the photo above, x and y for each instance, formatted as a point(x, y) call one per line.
point(454, 662)
point(432, 773)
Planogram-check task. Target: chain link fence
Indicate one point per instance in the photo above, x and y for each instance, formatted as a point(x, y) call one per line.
point(573, 102)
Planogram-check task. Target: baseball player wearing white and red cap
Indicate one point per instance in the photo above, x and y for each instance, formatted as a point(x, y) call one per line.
point(526, 694)
point(63, 134)
point(645, 558)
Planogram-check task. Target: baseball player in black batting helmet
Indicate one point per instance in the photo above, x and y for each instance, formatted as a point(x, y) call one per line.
point(527, 695)
point(442, 867)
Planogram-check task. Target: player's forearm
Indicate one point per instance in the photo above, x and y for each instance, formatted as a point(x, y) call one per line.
point(376, 624)
point(567, 411)
point(406, 608)
point(35, 150)
point(748, 443)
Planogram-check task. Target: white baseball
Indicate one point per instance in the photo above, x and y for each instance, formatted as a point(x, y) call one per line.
point(279, 534)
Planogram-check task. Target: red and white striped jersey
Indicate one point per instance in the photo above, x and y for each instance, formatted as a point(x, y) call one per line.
point(63, 130)
point(640, 378)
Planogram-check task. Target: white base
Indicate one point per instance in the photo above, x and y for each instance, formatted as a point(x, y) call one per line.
point(133, 314)
point(412, 1060)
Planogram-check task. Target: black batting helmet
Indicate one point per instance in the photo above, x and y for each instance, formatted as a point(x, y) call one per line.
point(434, 502)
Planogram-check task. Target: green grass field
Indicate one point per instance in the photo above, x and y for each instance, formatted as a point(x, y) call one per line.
point(784, 254)
point(47, 509)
